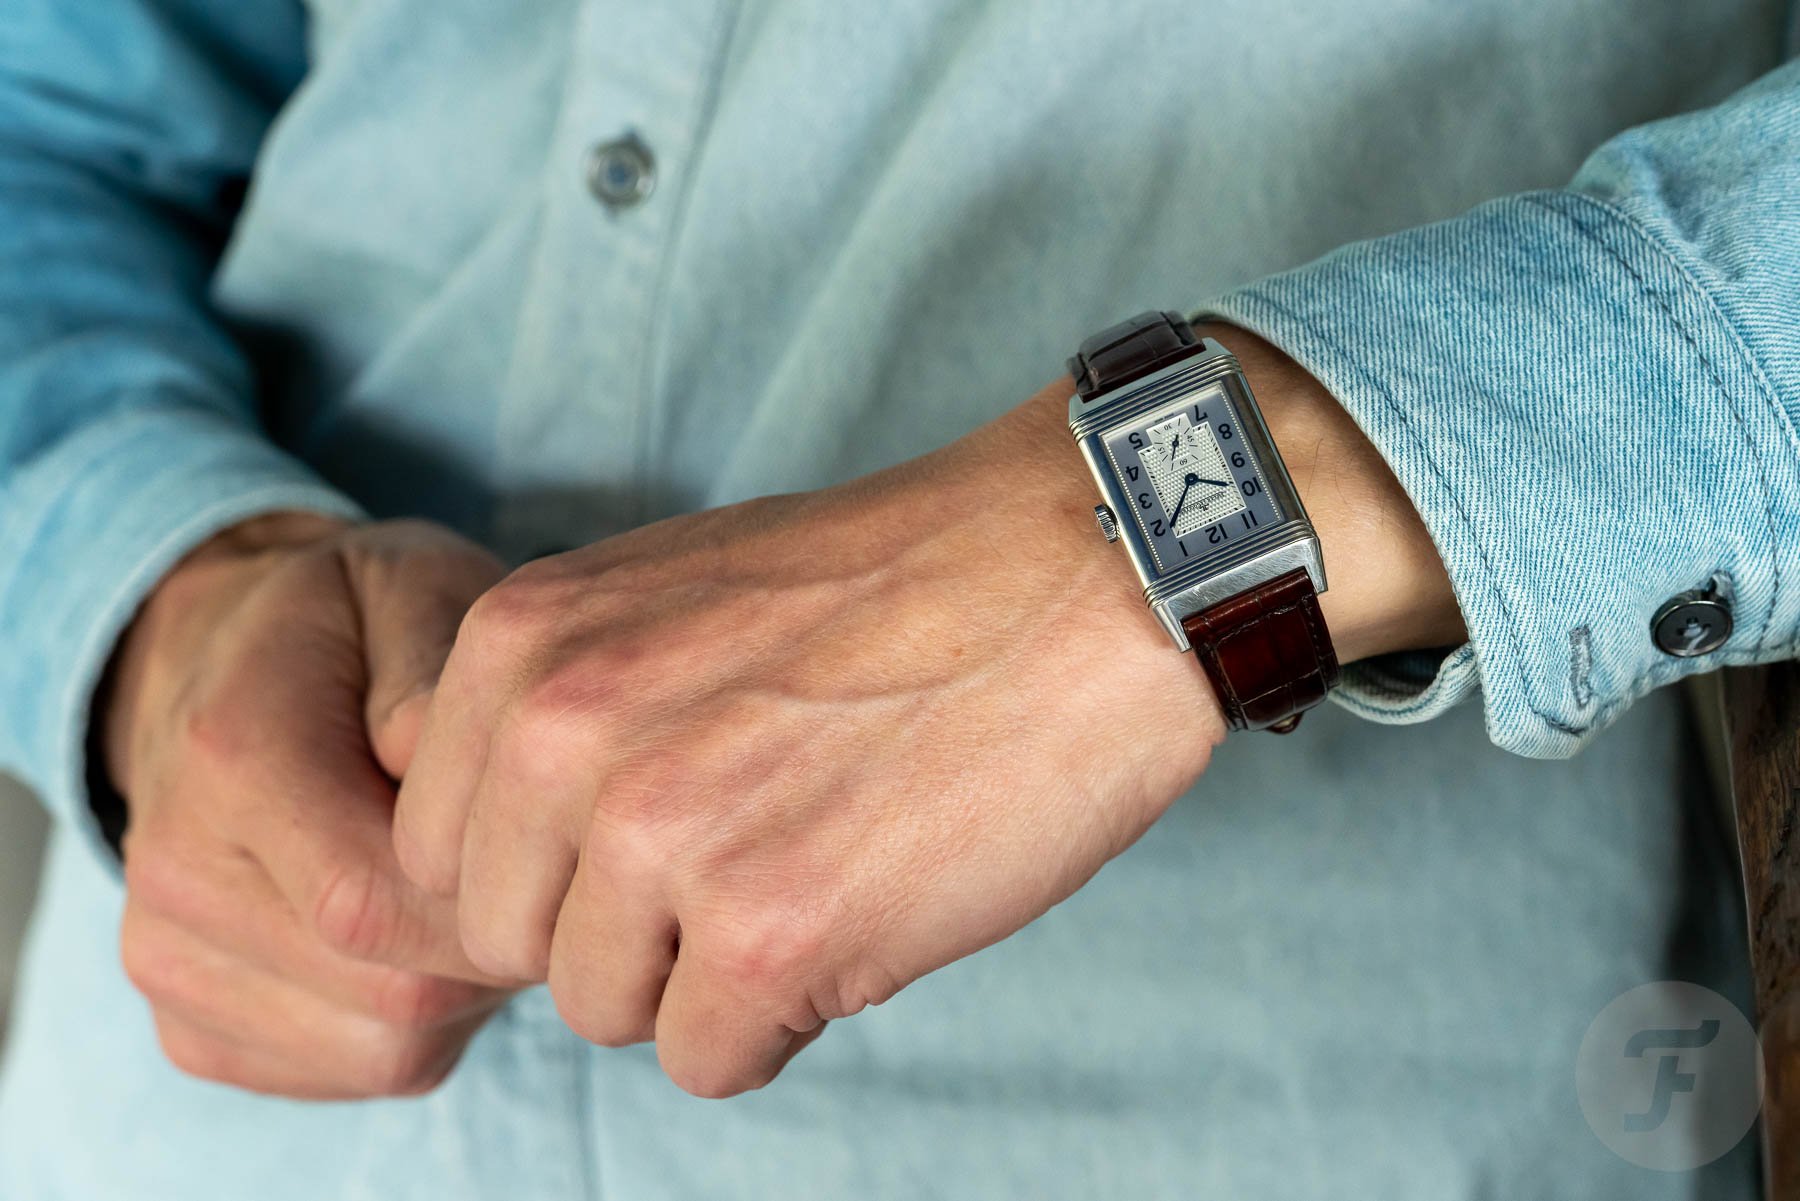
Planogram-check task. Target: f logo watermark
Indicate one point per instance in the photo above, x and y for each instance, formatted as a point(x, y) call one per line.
point(1670, 1076)
point(1670, 1079)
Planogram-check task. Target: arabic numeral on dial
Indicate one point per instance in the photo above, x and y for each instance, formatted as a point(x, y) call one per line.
point(1215, 534)
point(1157, 528)
point(1185, 552)
point(1249, 519)
point(1224, 431)
point(1237, 458)
point(1199, 417)
point(1250, 487)
point(1144, 499)
point(1132, 471)
point(1137, 441)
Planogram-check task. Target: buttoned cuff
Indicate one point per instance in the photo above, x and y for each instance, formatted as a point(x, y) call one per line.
point(88, 528)
point(1585, 435)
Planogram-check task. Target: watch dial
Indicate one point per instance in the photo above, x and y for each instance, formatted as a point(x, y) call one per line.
point(1195, 485)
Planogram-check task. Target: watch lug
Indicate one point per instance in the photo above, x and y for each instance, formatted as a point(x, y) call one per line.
point(1210, 351)
point(1296, 546)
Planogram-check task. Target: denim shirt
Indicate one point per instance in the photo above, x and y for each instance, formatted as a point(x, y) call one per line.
point(350, 257)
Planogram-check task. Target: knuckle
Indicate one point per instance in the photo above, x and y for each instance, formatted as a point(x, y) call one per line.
point(156, 880)
point(866, 985)
point(352, 912)
point(413, 1002)
point(146, 966)
point(214, 736)
point(498, 950)
point(554, 708)
point(510, 610)
point(603, 1026)
point(775, 954)
point(192, 1055)
point(425, 861)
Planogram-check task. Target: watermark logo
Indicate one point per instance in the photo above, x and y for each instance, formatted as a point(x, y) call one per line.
point(1670, 1076)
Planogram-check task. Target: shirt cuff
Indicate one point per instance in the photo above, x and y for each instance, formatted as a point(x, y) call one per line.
point(86, 531)
point(1585, 436)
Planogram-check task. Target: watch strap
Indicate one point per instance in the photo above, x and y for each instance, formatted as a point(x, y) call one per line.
point(1267, 652)
point(1131, 350)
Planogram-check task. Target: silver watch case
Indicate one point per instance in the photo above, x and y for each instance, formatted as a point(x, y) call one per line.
point(1257, 559)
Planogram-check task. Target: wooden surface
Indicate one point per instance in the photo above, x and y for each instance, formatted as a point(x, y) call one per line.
point(22, 827)
point(1762, 711)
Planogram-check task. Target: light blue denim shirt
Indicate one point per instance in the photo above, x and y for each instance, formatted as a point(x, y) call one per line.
point(1354, 962)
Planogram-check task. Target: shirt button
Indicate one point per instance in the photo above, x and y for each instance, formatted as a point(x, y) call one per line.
point(621, 173)
point(1692, 623)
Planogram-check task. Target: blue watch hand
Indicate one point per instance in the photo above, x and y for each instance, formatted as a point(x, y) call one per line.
point(1186, 484)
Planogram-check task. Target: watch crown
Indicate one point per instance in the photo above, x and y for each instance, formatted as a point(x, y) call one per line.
point(1109, 525)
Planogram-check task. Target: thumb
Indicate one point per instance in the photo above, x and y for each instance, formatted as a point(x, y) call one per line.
point(395, 737)
point(413, 591)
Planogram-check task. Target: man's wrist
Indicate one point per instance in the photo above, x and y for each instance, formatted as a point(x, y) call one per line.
point(220, 561)
point(1388, 588)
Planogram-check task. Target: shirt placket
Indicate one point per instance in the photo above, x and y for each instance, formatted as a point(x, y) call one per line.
point(578, 403)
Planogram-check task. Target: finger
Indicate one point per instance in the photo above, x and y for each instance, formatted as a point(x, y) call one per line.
point(438, 787)
point(229, 901)
point(321, 821)
point(197, 1052)
point(238, 1005)
point(395, 736)
point(610, 958)
point(712, 1040)
point(518, 856)
point(412, 595)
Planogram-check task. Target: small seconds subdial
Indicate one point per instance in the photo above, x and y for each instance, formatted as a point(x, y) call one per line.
point(1187, 469)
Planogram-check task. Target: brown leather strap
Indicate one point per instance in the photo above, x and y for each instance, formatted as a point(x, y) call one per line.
point(1268, 652)
point(1131, 350)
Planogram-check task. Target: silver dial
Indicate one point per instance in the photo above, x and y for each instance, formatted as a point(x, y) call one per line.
point(1187, 469)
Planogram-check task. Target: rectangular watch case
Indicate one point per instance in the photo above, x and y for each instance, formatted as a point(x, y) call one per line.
point(1262, 556)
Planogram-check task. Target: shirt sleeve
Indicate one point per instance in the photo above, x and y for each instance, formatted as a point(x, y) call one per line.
point(128, 426)
point(1590, 395)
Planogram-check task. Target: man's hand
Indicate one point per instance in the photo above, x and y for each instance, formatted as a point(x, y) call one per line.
point(260, 707)
point(730, 776)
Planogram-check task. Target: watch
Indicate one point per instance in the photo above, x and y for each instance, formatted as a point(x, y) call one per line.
point(1192, 484)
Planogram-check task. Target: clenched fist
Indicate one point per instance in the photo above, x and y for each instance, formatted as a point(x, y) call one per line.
point(262, 704)
point(732, 775)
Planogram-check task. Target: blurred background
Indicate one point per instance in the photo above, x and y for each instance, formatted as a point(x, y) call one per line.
point(21, 843)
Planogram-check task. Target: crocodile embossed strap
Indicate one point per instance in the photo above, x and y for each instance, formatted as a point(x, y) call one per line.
point(1267, 651)
point(1131, 350)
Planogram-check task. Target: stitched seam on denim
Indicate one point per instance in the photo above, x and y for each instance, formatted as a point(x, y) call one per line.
point(1377, 681)
point(1367, 705)
point(1746, 357)
point(1405, 422)
point(1762, 469)
point(1418, 699)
